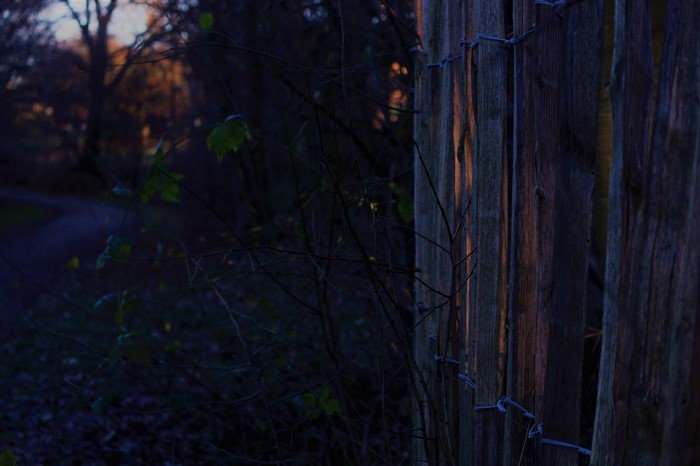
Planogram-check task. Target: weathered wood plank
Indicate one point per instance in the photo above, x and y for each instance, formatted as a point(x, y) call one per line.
point(556, 76)
point(674, 182)
point(442, 182)
point(573, 204)
point(522, 309)
point(631, 93)
point(488, 311)
point(655, 405)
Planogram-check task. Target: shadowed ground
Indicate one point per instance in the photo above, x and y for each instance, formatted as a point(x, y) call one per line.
point(40, 235)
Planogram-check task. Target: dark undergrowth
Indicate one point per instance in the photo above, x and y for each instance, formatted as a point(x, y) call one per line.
point(205, 351)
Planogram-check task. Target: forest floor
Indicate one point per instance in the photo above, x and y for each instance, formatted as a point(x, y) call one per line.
point(191, 352)
point(42, 236)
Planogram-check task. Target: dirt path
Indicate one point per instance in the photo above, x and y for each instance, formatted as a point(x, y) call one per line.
point(34, 259)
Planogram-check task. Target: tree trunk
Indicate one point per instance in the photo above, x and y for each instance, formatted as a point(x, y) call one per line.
point(649, 388)
point(91, 152)
point(97, 45)
point(99, 89)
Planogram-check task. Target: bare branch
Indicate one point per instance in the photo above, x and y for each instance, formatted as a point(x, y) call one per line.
point(84, 26)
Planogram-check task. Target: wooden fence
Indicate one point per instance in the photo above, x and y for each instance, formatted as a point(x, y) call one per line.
point(506, 140)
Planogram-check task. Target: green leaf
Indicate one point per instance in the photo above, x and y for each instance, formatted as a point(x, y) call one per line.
point(320, 404)
point(126, 305)
point(119, 317)
point(173, 347)
point(118, 249)
point(206, 21)
point(139, 354)
point(7, 458)
point(161, 180)
point(405, 202)
point(170, 190)
point(149, 189)
point(73, 263)
point(328, 405)
point(227, 137)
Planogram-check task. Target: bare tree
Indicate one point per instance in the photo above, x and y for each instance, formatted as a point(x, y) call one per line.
point(20, 36)
point(104, 71)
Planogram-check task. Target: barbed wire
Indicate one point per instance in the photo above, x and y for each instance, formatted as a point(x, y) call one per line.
point(537, 429)
point(480, 36)
point(501, 404)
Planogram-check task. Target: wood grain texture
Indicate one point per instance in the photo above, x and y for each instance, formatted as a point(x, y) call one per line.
point(442, 185)
point(522, 306)
point(556, 84)
point(655, 406)
point(631, 93)
point(488, 309)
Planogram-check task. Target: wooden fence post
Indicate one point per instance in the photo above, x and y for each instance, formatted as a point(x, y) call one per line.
point(487, 317)
point(555, 124)
point(649, 396)
point(522, 304)
point(442, 185)
point(555, 133)
point(631, 93)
